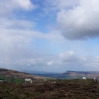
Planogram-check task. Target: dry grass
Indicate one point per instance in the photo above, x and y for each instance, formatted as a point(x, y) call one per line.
point(63, 89)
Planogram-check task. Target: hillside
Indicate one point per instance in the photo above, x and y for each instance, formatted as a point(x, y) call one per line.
point(37, 76)
point(16, 74)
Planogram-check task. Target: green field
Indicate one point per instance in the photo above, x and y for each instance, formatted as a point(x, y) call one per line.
point(11, 79)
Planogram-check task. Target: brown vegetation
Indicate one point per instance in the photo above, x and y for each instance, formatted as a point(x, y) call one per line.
point(17, 74)
point(62, 89)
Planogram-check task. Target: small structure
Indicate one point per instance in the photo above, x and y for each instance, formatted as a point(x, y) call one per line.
point(28, 80)
point(84, 78)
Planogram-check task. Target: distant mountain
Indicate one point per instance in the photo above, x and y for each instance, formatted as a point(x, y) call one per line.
point(80, 74)
point(70, 74)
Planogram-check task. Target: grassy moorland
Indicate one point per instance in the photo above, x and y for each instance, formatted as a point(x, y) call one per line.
point(62, 89)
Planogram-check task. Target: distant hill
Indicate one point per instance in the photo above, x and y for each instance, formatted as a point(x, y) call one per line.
point(71, 74)
point(79, 74)
point(43, 75)
point(16, 74)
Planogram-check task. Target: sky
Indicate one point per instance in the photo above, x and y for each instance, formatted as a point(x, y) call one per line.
point(49, 35)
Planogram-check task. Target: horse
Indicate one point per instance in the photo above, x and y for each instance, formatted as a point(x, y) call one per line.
point(84, 78)
point(28, 80)
point(96, 80)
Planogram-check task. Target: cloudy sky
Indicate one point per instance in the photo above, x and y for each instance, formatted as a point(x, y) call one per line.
point(49, 35)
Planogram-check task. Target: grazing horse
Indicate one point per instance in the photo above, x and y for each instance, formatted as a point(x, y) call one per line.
point(2, 80)
point(28, 80)
point(96, 80)
point(84, 78)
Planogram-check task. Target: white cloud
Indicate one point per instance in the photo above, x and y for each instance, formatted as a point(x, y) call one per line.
point(54, 36)
point(8, 6)
point(96, 59)
point(50, 63)
point(81, 22)
point(69, 56)
point(24, 4)
point(16, 24)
